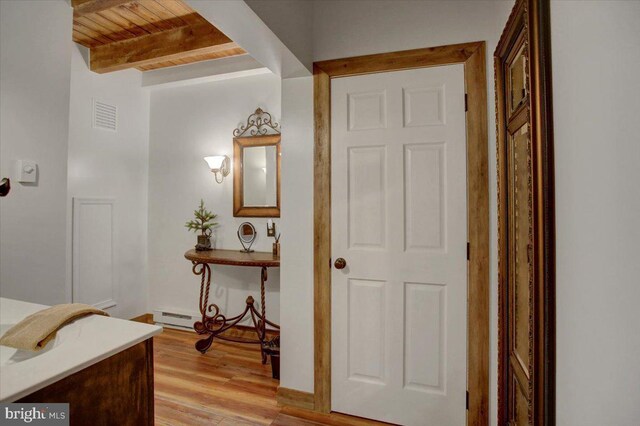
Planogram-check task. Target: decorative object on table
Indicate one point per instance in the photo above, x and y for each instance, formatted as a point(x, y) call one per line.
point(256, 160)
point(271, 232)
point(271, 348)
point(204, 223)
point(5, 187)
point(271, 228)
point(219, 165)
point(247, 235)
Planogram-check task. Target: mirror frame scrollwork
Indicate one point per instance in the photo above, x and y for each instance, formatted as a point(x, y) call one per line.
point(259, 130)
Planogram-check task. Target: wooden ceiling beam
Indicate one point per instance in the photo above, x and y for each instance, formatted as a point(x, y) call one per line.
point(84, 7)
point(167, 45)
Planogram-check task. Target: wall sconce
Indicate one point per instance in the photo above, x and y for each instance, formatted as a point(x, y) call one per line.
point(219, 164)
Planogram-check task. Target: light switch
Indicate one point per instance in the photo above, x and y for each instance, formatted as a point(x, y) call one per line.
point(26, 171)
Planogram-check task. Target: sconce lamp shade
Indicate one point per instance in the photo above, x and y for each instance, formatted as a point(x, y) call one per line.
point(219, 164)
point(215, 161)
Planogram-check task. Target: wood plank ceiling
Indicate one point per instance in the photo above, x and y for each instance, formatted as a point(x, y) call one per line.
point(146, 34)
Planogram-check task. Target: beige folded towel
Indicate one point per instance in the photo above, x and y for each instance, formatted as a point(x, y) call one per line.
point(35, 331)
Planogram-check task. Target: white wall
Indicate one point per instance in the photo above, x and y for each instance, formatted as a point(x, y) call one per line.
point(35, 49)
point(347, 28)
point(187, 124)
point(297, 248)
point(291, 21)
point(242, 25)
point(105, 164)
point(204, 72)
point(344, 28)
point(596, 91)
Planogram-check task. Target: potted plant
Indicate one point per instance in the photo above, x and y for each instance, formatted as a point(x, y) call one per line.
point(204, 223)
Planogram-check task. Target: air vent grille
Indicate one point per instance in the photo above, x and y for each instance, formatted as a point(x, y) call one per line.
point(105, 116)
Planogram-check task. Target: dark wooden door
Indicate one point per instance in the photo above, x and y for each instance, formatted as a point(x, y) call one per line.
point(525, 223)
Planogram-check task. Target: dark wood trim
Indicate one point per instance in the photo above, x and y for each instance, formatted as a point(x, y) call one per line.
point(322, 239)
point(478, 225)
point(118, 390)
point(396, 61)
point(532, 17)
point(150, 381)
point(542, 114)
point(295, 398)
point(239, 210)
point(472, 55)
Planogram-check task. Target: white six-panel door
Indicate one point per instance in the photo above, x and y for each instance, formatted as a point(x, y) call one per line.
point(399, 220)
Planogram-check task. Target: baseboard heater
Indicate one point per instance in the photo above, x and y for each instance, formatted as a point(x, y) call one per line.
point(184, 321)
point(172, 319)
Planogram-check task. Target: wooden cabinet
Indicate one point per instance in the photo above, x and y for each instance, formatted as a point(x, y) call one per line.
point(525, 216)
point(115, 391)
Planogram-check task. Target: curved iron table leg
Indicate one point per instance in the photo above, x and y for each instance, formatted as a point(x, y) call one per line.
point(214, 323)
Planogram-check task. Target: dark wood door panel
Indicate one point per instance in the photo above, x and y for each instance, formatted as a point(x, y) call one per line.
point(516, 75)
point(525, 219)
point(520, 244)
point(520, 414)
point(521, 374)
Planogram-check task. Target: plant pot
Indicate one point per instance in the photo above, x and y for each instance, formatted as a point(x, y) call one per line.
point(204, 243)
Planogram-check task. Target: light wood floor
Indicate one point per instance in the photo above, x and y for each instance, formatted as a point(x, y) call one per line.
point(227, 386)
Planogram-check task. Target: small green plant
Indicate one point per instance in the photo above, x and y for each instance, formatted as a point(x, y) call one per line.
point(203, 222)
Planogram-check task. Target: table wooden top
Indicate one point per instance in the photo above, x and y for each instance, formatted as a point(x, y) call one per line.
point(234, 257)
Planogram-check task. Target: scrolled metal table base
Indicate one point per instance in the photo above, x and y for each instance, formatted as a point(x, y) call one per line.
point(215, 323)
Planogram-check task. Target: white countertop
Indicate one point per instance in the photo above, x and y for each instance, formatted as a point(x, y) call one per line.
point(78, 345)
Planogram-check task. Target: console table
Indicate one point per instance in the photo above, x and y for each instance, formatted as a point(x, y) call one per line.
point(215, 323)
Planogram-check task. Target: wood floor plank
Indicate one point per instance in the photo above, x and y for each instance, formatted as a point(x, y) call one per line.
point(227, 386)
point(178, 414)
point(236, 422)
point(335, 419)
point(286, 420)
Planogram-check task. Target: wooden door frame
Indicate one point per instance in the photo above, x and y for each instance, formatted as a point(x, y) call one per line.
point(472, 55)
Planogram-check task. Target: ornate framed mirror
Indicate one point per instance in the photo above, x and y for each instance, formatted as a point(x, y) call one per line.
point(256, 163)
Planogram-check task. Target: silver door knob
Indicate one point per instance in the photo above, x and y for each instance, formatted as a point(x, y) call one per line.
point(340, 263)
